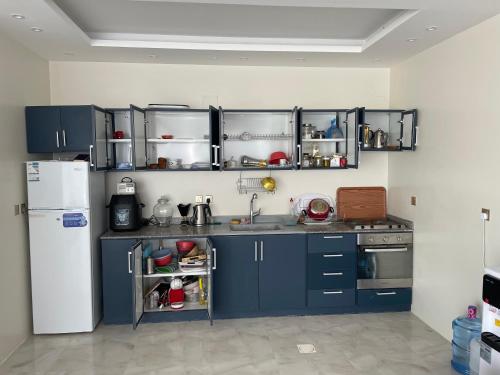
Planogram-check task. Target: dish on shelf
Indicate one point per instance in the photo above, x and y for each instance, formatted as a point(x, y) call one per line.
point(167, 136)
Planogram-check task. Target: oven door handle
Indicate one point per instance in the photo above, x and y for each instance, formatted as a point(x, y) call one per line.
point(387, 250)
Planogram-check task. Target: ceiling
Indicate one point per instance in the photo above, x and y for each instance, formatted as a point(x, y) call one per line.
point(354, 33)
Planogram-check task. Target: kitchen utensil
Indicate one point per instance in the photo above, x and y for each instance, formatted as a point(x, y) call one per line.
point(248, 161)
point(268, 183)
point(176, 294)
point(162, 163)
point(306, 160)
point(245, 136)
point(334, 131)
point(162, 257)
point(184, 211)
point(380, 139)
point(231, 163)
point(167, 136)
point(318, 209)
point(163, 212)
point(185, 246)
point(361, 203)
point(119, 134)
point(319, 134)
point(367, 135)
point(150, 268)
point(201, 214)
point(276, 157)
point(307, 131)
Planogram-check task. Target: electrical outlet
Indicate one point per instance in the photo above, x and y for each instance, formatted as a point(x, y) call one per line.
point(485, 212)
point(16, 210)
point(413, 201)
point(198, 199)
point(207, 197)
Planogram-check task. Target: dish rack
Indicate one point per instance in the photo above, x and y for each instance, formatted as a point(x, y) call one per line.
point(264, 137)
point(251, 185)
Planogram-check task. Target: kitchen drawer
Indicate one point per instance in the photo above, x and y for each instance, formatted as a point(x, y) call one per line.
point(331, 297)
point(384, 297)
point(331, 243)
point(331, 261)
point(331, 279)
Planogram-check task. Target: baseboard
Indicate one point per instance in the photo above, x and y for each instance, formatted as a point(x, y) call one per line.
point(3, 360)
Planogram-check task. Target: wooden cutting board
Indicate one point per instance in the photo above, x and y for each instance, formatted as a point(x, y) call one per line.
point(361, 203)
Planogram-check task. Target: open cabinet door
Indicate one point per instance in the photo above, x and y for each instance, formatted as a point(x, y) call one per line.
point(138, 125)
point(137, 287)
point(409, 130)
point(298, 137)
point(214, 138)
point(220, 148)
point(211, 265)
point(352, 137)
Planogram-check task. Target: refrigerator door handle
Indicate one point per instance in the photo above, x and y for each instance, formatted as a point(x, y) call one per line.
point(129, 255)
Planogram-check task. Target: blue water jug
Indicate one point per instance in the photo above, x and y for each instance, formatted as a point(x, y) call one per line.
point(465, 329)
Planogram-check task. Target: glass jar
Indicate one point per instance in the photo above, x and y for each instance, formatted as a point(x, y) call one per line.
point(306, 160)
point(163, 212)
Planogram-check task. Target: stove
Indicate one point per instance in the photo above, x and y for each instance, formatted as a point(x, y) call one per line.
point(375, 224)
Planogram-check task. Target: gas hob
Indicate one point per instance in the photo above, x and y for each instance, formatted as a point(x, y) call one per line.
point(375, 224)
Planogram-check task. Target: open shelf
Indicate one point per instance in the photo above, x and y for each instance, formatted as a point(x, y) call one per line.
point(122, 140)
point(178, 140)
point(324, 140)
point(187, 306)
point(176, 274)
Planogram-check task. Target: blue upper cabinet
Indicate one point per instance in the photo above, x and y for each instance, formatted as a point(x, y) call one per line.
point(54, 129)
point(43, 129)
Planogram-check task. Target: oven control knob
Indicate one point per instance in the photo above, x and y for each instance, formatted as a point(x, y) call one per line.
point(385, 239)
point(399, 239)
point(370, 239)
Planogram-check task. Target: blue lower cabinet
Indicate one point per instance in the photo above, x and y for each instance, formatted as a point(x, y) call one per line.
point(282, 272)
point(235, 275)
point(117, 274)
point(331, 298)
point(384, 297)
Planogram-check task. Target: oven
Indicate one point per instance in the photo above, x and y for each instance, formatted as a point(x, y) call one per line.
point(385, 260)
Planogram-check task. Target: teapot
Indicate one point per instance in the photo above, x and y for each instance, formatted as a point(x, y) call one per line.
point(380, 139)
point(367, 136)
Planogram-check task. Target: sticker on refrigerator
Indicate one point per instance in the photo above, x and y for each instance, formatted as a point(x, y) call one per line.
point(74, 220)
point(122, 216)
point(33, 170)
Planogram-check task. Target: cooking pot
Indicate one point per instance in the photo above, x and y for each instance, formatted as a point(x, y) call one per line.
point(318, 209)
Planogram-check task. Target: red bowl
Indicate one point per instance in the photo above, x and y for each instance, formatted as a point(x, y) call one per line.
point(163, 261)
point(276, 156)
point(185, 246)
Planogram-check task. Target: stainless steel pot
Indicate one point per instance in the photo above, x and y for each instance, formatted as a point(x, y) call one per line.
point(380, 139)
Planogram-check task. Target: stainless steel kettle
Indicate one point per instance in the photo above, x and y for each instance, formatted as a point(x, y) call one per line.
point(380, 139)
point(201, 214)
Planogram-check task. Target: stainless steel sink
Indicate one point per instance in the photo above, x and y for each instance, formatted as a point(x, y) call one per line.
point(254, 227)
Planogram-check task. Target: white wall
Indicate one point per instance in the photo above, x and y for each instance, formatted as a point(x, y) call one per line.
point(118, 84)
point(24, 79)
point(454, 173)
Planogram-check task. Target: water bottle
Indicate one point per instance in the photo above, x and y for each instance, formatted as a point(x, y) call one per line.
point(465, 329)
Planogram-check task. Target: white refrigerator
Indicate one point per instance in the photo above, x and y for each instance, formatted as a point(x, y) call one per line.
point(67, 214)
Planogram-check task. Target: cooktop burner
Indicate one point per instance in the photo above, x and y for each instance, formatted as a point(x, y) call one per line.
point(375, 224)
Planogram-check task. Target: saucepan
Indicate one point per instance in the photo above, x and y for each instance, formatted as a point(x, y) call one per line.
point(318, 209)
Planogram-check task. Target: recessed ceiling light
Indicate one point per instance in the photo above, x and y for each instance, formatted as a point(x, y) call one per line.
point(300, 59)
point(411, 40)
point(431, 28)
point(36, 29)
point(18, 16)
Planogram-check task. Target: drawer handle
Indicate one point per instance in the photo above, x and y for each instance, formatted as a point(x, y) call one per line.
point(332, 255)
point(386, 293)
point(387, 250)
point(333, 273)
point(333, 292)
point(333, 237)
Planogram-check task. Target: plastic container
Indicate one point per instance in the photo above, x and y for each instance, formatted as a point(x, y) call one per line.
point(464, 331)
point(474, 356)
point(163, 212)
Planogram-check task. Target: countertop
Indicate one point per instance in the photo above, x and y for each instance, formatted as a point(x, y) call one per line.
point(179, 231)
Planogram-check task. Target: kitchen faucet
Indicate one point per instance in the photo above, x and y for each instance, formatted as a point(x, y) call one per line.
point(252, 213)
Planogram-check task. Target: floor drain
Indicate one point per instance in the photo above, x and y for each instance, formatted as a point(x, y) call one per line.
point(306, 348)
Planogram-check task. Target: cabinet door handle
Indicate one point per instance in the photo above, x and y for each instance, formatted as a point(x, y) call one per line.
point(129, 262)
point(57, 138)
point(386, 293)
point(261, 251)
point(90, 155)
point(215, 149)
point(333, 292)
point(255, 248)
point(64, 137)
point(214, 267)
point(387, 250)
point(332, 255)
point(299, 162)
point(333, 273)
point(333, 237)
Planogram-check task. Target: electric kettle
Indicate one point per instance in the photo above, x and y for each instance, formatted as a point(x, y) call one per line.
point(201, 214)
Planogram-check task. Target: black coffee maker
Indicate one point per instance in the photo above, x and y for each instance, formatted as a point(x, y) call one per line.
point(125, 211)
point(184, 211)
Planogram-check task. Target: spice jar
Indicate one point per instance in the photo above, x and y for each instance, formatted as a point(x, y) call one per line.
point(306, 160)
point(326, 162)
point(318, 161)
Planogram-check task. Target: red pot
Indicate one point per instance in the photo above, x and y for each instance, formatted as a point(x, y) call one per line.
point(318, 209)
point(185, 246)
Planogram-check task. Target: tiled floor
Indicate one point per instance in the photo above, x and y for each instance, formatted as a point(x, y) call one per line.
point(375, 344)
